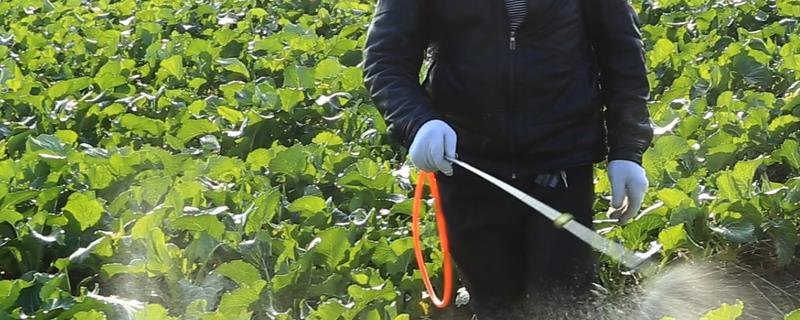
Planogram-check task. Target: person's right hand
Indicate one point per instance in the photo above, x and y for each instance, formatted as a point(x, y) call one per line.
point(434, 140)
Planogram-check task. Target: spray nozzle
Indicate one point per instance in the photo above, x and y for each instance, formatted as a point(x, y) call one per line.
point(641, 261)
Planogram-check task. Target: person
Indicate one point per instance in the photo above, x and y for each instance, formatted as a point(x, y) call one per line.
point(534, 92)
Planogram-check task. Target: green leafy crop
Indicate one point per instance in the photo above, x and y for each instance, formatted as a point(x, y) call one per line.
point(165, 159)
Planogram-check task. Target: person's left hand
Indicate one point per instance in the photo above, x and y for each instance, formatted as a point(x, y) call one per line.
point(628, 182)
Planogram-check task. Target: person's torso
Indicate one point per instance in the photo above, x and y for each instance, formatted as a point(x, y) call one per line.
point(509, 89)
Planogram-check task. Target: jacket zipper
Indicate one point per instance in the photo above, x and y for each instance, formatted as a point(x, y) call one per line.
point(512, 47)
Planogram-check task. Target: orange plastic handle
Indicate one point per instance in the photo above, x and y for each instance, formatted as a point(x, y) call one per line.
point(442, 227)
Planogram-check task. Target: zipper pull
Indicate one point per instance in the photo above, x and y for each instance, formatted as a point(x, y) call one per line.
point(512, 43)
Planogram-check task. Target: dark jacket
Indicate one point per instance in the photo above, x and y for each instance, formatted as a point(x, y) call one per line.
point(520, 103)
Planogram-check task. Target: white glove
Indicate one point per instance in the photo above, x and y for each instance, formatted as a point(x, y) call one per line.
point(434, 140)
point(628, 185)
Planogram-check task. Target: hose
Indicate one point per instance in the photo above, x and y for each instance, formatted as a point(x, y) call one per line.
point(442, 228)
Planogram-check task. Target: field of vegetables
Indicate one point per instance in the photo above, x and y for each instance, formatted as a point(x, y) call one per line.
point(221, 159)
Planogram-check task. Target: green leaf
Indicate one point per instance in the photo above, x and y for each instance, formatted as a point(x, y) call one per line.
point(67, 136)
point(14, 198)
point(265, 206)
point(672, 237)
point(112, 269)
point(238, 301)
point(636, 232)
point(403, 249)
point(794, 315)
point(234, 65)
point(285, 282)
point(196, 310)
point(366, 174)
point(674, 198)
point(100, 176)
point(232, 115)
point(330, 309)
point(383, 253)
point(207, 223)
point(10, 216)
point(751, 71)
point(331, 286)
point(725, 312)
point(243, 273)
point(109, 76)
point(738, 231)
point(85, 209)
point(223, 168)
point(259, 158)
point(7, 166)
point(718, 157)
point(53, 287)
point(257, 12)
point(661, 52)
point(307, 205)
point(298, 77)
point(158, 255)
point(152, 220)
point(153, 312)
point(290, 98)
point(745, 210)
point(334, 243)
point(5, 73)
point(48, 142)
point(328, 139)
point(10, 291)
point(154, 188)
point(265, 96)
point(785, 236)
point(100, 246)
point(780, 123)
point(789, 8)
point(142, 125)
point(192, 128)
point(364, 296)
point(90, 315)
point(791, 153)
point(292, 161)
point(352, 78)
point(328, 68)
point(737, 183)
point(661, 157)
point(202, 248)
point(67, 87)
point(174, 66)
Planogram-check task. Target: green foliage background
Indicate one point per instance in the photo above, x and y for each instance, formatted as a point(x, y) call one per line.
point(203, 159)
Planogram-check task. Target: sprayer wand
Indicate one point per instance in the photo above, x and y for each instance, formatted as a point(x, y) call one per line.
point(632, 260)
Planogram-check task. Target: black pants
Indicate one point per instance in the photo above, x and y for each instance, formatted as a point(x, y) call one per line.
point(508, 255)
